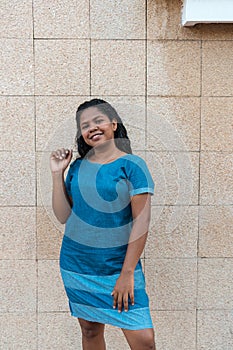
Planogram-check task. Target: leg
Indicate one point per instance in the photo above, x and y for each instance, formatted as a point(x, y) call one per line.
point(142, 339)
point(92, 335)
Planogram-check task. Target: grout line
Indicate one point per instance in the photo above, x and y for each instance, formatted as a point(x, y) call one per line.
point(153, 205)
point(197, 283)
point(162, 310)
point(90, 77)
point(90, 47)
point(200, 129)
point(169, 151)
point(194, 205)
point(197, 279)
point(165, 310)
point(19, 206)
point(88, 38)
point(34, 97)
point(139, 150)
point(145, 106)
point(202, 258)
point(118, 39)
point(184, 309)
point(146, 74)
point(120, 95)
point(199, 193)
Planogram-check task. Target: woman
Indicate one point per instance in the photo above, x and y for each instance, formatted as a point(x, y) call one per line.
point(105, 203)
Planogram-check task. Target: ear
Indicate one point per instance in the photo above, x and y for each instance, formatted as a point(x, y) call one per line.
point(114, 124)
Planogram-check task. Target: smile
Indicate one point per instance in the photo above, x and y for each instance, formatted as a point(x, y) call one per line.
point(96, 135)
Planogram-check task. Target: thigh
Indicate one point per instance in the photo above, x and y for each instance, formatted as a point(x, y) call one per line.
point(140, 339)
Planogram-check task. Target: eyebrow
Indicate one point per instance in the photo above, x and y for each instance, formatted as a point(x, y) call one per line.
point(98, 116)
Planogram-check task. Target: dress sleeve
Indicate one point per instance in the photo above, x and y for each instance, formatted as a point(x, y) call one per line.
point(139, 177)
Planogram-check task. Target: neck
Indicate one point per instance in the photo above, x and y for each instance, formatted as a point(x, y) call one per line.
point(106, 152)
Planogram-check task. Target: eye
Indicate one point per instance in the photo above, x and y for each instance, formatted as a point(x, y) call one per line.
point(99, 121)
point(85, 126)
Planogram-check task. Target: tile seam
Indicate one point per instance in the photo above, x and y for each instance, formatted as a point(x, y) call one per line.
point(153, 205)
point(145, 106)
point(199, 192)
point(120, 95)
point(34, 97)
point(90, 49)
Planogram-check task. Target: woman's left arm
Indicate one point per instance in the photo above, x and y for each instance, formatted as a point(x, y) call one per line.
point(124, 288)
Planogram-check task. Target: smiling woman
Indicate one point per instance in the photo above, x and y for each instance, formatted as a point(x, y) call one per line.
point(96, 127)
point(106, 228)
point(102, 113)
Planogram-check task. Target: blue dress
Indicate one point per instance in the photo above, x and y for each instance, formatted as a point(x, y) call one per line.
point(96, 236)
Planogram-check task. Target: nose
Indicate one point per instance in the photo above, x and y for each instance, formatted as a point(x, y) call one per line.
point(93, 127)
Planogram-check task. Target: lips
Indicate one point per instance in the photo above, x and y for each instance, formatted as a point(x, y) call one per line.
point(97, 134)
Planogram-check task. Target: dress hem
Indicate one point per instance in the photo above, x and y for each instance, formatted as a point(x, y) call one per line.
point(133, 328)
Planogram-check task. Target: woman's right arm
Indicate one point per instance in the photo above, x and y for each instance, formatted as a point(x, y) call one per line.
point(59, 160)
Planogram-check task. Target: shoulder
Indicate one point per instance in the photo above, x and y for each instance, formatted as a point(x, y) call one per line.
point(75, 163)
point(138, 174)
point(135, 160)
point(136, 166)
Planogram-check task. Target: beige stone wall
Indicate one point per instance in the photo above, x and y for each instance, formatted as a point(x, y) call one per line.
point(174, 89)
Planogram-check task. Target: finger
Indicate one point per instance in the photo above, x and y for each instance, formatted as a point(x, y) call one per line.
point(114, 294)
point(58, 154)
point(125, 300)
point(53, 155)
point(132, 298)
point(119, 302)
point(63, 152)
point(69, 153)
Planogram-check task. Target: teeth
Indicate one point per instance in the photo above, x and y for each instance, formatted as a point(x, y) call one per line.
point(96, 135)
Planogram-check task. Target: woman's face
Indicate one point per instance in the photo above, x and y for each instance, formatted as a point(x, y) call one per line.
point(96, 127)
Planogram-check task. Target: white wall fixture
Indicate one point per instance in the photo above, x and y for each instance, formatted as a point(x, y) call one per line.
point(207, 11)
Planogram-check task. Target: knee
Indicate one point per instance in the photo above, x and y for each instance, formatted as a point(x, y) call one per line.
point(149, 342)
point(150, 345)
point(90, 330)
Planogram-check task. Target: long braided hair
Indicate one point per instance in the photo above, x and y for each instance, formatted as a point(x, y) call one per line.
point(120, 135)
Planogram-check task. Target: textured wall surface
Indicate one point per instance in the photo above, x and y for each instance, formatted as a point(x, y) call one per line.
point(173, 87)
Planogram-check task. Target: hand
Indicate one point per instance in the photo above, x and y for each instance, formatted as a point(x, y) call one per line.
point(60, 159)
point(124, 288)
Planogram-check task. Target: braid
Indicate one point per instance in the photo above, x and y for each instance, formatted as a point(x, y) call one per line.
point(83, 148)
point(122, 141)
